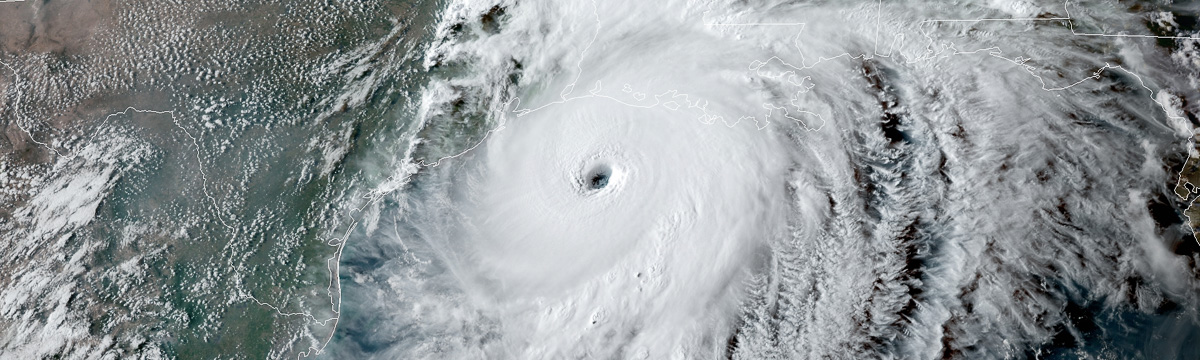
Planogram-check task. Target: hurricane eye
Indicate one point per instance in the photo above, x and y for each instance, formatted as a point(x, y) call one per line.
point(597, 178)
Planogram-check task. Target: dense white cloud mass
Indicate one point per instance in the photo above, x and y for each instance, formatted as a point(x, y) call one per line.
point(709, 179)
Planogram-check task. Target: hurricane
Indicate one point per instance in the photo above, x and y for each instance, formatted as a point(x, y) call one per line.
point(758, 180)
